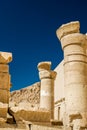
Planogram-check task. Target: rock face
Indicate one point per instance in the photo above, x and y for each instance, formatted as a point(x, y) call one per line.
point(30, 96)
point(24, 105)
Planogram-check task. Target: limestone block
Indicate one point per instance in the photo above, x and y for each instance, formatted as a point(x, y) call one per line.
point(76, 96)
point(4, 96)
point(75, 66)
point(56, 122)
point(76, 58)
point(75, 38)
point(4, 81)
point(5, 57)
point(69, 28)
point(4, 68)
point(74, 49)
point(44, 66)
point(47, 74)
point(3, 112)
point(27, 115)
point(75, 115)
point(75, 77)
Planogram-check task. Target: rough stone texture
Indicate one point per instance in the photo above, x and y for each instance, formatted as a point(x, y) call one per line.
point(4, 81)
point(5, 57)
point(5, 84)
point(69, 28)
point(27, 115)
point(76, 39)
point(42, 127)
point(44, 65)
point(4, 96)
point(29, 96)
point(4, 68)
point(3, 112)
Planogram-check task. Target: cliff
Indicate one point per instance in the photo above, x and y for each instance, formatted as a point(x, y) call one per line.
point(29, 95)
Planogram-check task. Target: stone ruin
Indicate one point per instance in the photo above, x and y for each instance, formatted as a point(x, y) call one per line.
point(41, 117)
point(5, 84)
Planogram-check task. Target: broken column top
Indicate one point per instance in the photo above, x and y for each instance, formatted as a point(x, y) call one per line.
point(44, 66)
point(5, 57)
point(69, 28)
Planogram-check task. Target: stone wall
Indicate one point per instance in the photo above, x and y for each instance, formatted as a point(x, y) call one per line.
point(41, 127)
point(59, 82)
point(59, 95)
point(33, 116)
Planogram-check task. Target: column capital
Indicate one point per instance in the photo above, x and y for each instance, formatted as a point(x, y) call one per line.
point(5, 57)
point(44, 66)
point(47, 74)
point(69, 28)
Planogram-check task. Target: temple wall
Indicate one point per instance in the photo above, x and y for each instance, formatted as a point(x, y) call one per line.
point(59, 83)
point(59, 107)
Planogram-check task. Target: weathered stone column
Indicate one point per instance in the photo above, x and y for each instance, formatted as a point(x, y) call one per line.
point(75, 73)
point(5, 58)
point(47, 87)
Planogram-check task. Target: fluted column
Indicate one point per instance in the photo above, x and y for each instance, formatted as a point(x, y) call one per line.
point(5, 58)
point(47, 87)
point(75, 73)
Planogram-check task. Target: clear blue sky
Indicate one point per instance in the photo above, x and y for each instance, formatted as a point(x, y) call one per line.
point(28, 30)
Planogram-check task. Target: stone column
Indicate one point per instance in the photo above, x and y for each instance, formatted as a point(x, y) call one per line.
point(47, 87)
point(75, 73)
point(5, 58)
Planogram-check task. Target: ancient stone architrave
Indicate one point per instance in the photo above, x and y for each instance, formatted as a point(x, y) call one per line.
point(5, 58)
point(47, 87)
point(74, 45)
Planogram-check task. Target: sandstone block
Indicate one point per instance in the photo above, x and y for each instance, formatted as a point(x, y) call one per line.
point(74, 49)
point(4, 81)
point(76, 58)
point(3, 112)
point(44, 66)
point(75, 38)
point(47, 74)
point(27, 115)
point(76, 66)
point(4, 68)
point(5, 57)
point(4, 96)
point(69, 28)
point(56, 122)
